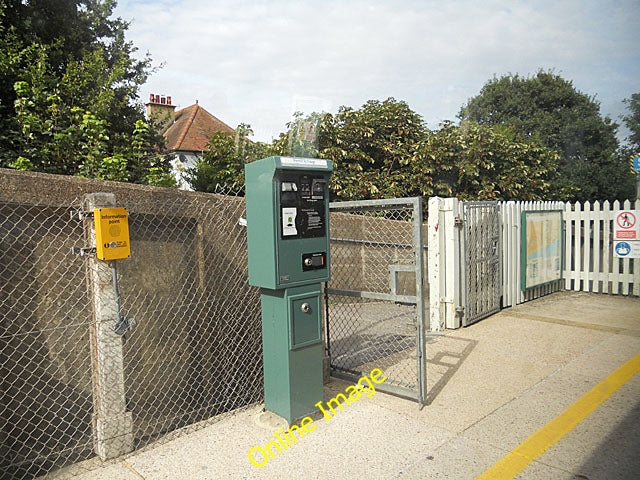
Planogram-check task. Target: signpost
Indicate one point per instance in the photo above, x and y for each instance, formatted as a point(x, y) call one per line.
point(626, 234)
point(635, 169)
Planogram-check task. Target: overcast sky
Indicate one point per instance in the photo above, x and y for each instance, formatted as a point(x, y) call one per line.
point(258, 61)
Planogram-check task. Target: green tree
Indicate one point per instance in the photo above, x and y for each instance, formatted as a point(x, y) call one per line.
point(482, 162)
point(370, 148)
point(549, 109)
point(146, 161)
point(632, 121)
point(69, 92)
point(632, 148)
point(223, 161)
point(248, 150)
point(384, 150)
point(301, 136)
point(219, 165)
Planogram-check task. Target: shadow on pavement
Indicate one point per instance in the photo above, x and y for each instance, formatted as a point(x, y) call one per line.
point(450, 354)
point(618, 455)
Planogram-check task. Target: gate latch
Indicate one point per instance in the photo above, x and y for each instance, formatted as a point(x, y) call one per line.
point(458, 222)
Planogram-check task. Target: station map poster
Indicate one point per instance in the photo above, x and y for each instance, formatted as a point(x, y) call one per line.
point(542, 247)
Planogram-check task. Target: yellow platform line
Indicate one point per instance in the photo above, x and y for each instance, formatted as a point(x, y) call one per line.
point(524, 454)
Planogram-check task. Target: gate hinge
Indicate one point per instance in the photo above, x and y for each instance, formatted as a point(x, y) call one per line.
point(460, 312)
point(458, 222)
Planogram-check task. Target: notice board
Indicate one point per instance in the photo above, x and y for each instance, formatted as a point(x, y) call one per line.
point(541, 248)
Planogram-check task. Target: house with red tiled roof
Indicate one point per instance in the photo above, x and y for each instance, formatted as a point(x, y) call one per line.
point(187, 131)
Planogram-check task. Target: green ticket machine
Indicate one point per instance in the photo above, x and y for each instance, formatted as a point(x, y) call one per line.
point(287, 203)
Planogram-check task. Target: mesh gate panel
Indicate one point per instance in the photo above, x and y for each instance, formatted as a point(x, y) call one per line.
point(371, 303)
point(371, 334)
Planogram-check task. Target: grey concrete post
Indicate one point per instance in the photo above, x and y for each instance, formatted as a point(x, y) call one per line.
point(112, 424)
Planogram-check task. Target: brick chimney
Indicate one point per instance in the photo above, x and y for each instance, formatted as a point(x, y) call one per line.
point(160, 110)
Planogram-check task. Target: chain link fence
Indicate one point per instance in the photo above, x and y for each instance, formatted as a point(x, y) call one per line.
point(46, 395)
point(72, 387)
point(196, 349)
point(375, 299)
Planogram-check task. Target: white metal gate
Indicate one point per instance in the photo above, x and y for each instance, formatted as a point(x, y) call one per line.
point(482, 265)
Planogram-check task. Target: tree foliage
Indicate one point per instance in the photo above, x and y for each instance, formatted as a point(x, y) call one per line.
point(370, 147)
point(384, 150)
point(548, 108)
point(223, 161)
point(301, 136)
point(69, 93)
point(632, 149)
point(632, 121)
point(482, 162)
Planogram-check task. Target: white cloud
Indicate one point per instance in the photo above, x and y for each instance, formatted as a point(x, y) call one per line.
point(257, 61)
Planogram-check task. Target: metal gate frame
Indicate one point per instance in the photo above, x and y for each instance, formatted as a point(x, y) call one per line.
point(413, 204)
point(481, 268)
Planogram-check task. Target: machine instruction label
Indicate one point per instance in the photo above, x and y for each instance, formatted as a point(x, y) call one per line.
point(303, 162)
point(289, 215)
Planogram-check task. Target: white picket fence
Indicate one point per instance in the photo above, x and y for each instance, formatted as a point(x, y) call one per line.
point(589, 262)
point(590, 265)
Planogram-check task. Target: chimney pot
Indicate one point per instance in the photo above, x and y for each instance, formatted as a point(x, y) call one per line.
point(160, 109)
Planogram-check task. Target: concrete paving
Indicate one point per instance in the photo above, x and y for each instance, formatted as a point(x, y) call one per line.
point(491, 386)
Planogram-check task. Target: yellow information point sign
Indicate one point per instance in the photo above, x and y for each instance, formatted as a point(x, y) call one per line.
point(112, 233)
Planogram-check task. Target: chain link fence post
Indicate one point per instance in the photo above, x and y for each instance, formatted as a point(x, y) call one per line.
point(71, 388)
point(113, 425)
